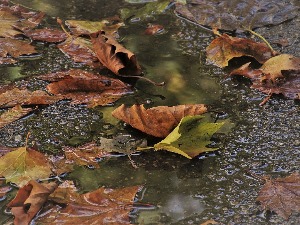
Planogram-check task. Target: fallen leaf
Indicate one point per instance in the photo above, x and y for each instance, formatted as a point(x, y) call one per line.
point(237, 14)
point(22, 165)
point(4, 188)
point(114, 56)
point(190, 137)
point(13, 114)
point(83, 87)
point(102, 206)
point(278, 75)
point(15, 96)
point(47, 35)
point(15, 48)
point(153, 29)
point(208, 222)
point(281, 195)
point(224, 48)
point(29, 200)
point(157, 121)
point(4, 150)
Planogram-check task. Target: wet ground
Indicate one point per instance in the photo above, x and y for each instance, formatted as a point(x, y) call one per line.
point(215, 186)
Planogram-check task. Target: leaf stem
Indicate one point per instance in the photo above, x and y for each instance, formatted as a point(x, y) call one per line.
point(263, 39)
point(59, 21)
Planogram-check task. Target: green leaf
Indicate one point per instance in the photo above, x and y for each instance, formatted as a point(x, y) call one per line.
point(190, 137)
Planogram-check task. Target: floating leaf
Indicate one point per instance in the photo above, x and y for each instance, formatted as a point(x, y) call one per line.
point(157, 121)
point(104, 205)
point(281, 195)
point(224, 48)
point(237, 14)
point(15, 48)
point(114, 56)
point(22, 165)
point(190, 137)
point(29, 201)
point(46, 34)
point(13, 114)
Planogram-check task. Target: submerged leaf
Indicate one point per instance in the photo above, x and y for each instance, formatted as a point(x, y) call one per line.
point(157, 121)
point(13, 114)
point(190, 137)
point(46, 34)
point(281, 195)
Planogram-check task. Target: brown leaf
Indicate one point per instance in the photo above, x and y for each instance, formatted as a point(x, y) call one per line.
point(83, 87)
point(17, 96)
point(278, 75)
point(157, 121)
point(224, 48)
point(114, 56)
point(29, 200)
point(15, 48)
point(281, 195)
point(102, 206)
point(153, 29)
point(46, 34)
point(4, 188)
point(13, 114)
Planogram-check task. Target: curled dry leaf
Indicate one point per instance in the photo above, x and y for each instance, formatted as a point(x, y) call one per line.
point(13, 114)
point(157, 121)
point(278, 75)
point(104, 205)
point(224, 48)
point(114, 56)
point(281, 195)
point(46, 34)
point(29, 201)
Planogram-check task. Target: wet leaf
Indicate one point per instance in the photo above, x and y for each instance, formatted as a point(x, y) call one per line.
point(153, 29)
point(114, 56)
point(157, 121)
point(104, 205)
point(22, 165)
point(80, 51)
point(29, 200)
point(15, 96)
point(224, 48)
point(190, 137)
point(13, 114)
point(46, 34)
point(281, 195)
point(15, 48)
point(4, 188)
point(237, 14)
point(83, 87)
point(278, 75)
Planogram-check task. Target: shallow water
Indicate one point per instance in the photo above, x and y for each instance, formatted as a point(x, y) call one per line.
point(175, 190)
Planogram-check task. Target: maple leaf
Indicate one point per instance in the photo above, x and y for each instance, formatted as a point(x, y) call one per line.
point(224, 48)
point(13, 114)
point(157, 121)
point(281, 195)
point(23, 164)
point(101, 206)
point(278, 75)
point(29, 200)
point(190, 137)
point(84, 87)
point(46, 34)
point(114, 56)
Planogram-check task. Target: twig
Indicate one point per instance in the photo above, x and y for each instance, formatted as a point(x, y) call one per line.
point(266, 99)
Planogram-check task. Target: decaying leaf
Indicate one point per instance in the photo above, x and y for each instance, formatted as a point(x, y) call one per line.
point(157, 121)
point(29, 200)
point(281, 195)
point(15, 48)
point(237, 14)
point(4, 188)
point(84, 87)
point(153, 29)
point(13, 114)
point(104, 205)
point(224, 48)
point(15, 96)
point(22, 165)
point(46, 34)
point(278, 75)
point(190, 137)
point(114, 56)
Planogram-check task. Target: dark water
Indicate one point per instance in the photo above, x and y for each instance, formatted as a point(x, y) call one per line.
point(213, 186)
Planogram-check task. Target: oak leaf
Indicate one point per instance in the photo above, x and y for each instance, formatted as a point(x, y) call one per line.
point(13, 114)
point(22, 165)
point(190, 137)
point(114, 56)
point(157, 121)
point(29, 201)
point(224, 48)
point(104, 205)
point(281, 195)
point(278, 75)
